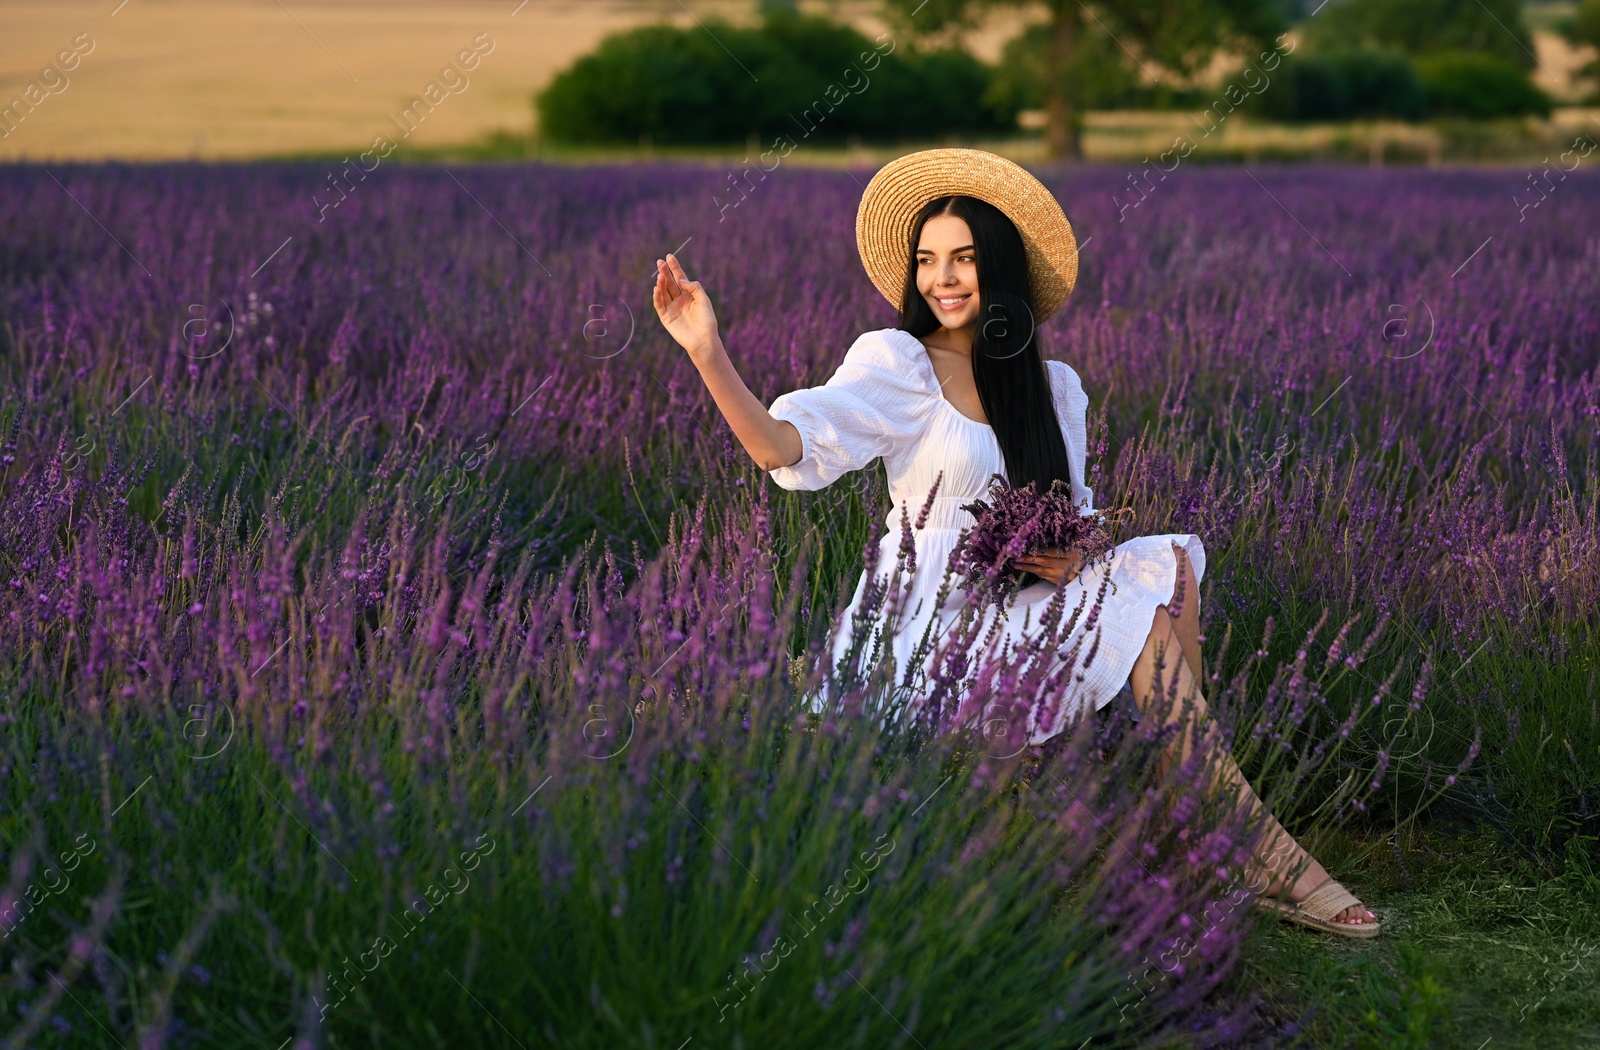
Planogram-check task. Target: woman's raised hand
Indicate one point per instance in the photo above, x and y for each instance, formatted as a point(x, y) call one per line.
point(684, 308)
point(685, 312)
point(1057, 566)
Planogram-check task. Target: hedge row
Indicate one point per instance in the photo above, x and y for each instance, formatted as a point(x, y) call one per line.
point(804, 77)
point(1354, 84)
point(811, 78)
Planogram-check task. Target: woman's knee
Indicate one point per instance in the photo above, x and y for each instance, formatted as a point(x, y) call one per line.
point(1161, 647)
point(1163, 629)
point(1184, 592)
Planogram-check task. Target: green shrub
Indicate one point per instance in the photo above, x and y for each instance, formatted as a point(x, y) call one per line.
point(1343, 85)
point(803, 77)
point(1467, 85)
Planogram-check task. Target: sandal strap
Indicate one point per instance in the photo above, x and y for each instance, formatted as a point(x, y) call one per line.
point(1327, 900)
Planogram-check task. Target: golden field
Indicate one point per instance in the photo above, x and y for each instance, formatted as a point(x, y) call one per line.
point(251, 78)
point(235, 79)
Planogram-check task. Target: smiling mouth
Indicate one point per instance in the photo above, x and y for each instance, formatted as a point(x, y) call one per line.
point(952, 302)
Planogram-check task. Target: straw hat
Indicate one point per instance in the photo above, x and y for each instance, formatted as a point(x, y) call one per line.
point(900, 189)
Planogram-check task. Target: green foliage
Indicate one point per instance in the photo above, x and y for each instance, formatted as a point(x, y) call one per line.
point(1346, 85)
point(1420, 1000)
point(1097, 76)
point(1548, 772)
point(1424, 27)
point(1584, 25)
point(1466, 59)
point(1341, 85)
point(528, 925)
point(799, 77)
point(1488, 949)
point(1181, 35)
point(1583, 28)
point(1480, 86)
point(1086, 58)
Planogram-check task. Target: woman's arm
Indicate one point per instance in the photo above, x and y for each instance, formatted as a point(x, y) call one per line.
point(685, 310)
point(772, 443)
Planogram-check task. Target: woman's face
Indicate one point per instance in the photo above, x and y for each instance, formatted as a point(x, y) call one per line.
point(947, 270)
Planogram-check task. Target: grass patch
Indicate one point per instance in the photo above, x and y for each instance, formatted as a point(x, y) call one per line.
point(1482, 945)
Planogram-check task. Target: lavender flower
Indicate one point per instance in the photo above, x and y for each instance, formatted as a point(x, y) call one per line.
point(1016, 522)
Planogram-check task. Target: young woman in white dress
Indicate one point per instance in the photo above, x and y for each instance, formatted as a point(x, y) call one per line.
point(974, 252)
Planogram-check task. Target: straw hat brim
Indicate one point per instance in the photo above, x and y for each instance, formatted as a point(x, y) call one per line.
point(898, 191)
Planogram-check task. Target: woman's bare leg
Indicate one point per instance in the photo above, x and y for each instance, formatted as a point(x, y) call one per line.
point(1277, 843)
point(1188, 620)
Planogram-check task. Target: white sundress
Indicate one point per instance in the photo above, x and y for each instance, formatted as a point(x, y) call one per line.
point(885, 400)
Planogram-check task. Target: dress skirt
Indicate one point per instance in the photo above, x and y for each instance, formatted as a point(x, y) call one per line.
point(1143, 571)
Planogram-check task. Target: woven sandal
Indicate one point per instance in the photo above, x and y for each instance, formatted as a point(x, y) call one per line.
point(1319, 908)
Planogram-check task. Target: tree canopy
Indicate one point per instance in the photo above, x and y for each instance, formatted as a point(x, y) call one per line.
point(1179, 35)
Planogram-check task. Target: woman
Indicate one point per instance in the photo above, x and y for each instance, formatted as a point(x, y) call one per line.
point(974, 252)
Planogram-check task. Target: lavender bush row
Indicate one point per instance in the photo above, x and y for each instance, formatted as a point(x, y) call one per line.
point(1374, 387)
point(329, 548)
point(1428, 349)
point(642, 764)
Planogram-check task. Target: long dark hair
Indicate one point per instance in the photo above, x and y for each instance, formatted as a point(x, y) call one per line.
point(1007, 360)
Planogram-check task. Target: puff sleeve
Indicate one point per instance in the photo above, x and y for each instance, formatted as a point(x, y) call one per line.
point(1072, 409)
point(875, 404)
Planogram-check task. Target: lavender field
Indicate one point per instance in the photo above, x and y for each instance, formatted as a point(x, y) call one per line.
point(398, 649)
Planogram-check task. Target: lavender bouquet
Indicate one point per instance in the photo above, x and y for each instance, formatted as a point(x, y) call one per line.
point(1016, 522)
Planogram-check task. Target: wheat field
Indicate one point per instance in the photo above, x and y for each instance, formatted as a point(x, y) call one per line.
point(242, 79)
point(170, 79)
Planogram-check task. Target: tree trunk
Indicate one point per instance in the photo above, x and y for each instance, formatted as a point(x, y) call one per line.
point(1063, 120)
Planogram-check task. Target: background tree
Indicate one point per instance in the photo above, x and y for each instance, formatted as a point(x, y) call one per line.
point(1179, 35)
point(1099, 76)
